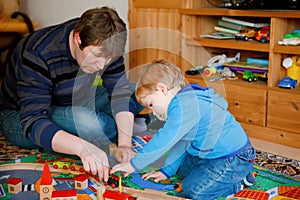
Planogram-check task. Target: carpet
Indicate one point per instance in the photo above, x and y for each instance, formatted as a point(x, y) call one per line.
point(275, 163)
point(273, 172)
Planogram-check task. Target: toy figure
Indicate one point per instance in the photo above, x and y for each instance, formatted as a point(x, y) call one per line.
point(293, 67)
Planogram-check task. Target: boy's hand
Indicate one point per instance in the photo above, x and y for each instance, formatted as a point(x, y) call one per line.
point(123, 167)
point(124, 154)
point(157, 176)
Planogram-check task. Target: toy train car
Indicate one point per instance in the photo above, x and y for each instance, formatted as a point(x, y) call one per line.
point(67, 165)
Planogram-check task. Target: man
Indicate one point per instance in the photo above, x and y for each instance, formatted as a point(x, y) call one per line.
point(65, 85)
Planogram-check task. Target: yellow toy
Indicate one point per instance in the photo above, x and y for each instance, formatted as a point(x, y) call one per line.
point(293, 67)
point(208, 71)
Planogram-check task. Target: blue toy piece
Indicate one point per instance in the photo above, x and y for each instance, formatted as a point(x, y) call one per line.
point(287, 82)
point(138, 180)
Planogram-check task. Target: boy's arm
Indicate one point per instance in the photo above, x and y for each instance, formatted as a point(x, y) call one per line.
point(174, 159)
point(181, 121)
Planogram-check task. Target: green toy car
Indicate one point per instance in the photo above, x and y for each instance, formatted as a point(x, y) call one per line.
point(249, 76)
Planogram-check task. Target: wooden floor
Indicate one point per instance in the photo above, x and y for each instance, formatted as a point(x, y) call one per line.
point(276, 149)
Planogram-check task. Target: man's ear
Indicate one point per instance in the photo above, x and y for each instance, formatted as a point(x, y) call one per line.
point(77, 39)
point(162, 87)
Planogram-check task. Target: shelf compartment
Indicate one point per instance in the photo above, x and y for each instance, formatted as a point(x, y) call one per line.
point(286, 49)
point(240, 13)
point(229, 44)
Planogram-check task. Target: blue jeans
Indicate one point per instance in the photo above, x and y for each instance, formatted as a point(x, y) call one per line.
point(205, 179)
point(95, 125)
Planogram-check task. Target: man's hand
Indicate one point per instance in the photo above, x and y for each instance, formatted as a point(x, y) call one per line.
point(157, 176)
point(95, 161)
point(124, 154)
point(123, 167)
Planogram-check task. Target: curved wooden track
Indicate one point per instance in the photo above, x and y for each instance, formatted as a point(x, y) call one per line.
point(146, 194)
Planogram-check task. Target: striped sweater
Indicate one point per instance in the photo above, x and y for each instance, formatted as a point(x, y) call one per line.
point(42, 72)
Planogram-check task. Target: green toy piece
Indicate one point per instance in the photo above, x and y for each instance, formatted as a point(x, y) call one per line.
point(249, 76)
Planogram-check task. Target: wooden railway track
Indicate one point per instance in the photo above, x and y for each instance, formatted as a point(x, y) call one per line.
point(146, 194)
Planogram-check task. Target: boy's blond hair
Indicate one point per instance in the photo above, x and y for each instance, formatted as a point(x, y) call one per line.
point(161, 71)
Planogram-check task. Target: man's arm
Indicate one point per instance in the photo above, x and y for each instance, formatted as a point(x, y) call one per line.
point(125, 121)
point(120, 93)
point(94, 159)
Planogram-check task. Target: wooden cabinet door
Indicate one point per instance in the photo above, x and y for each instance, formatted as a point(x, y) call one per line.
point(284, 110)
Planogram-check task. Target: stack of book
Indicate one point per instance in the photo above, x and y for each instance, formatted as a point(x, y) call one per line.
point(233, 26)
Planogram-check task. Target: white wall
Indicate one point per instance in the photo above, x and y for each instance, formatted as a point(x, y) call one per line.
point(50, 12)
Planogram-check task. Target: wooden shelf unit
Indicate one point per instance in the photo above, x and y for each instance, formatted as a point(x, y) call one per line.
point(264, 110)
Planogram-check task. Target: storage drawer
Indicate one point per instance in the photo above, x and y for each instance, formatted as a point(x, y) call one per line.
point(247, 104)
point(284, 110)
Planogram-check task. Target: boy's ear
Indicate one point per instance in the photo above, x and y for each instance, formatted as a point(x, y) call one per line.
point(162, 87)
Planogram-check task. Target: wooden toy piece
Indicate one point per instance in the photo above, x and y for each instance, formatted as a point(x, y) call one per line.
point(61, 165)
point(46, 187)
point(109, 194)
point(282, 198)
point(76, 167)
point(253, 194)
point(112, 149)
point(120, 183)
point(81, 181)
point(137, 179)
point(100, 192)
point(14, 185)
point(113, 181)
point(64, 195)
point(149, 194)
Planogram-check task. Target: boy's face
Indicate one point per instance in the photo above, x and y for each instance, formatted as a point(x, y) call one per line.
point(90, 59)
point(159, 101)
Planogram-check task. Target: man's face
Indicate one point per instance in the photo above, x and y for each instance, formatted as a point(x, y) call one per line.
point(90, 59)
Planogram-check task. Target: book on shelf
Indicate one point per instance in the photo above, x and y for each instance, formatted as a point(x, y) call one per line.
point(246, 23)
point(218, 35)
point(225, 30)
point(230, 25)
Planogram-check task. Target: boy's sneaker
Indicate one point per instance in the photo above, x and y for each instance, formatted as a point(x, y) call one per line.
point(248, 181)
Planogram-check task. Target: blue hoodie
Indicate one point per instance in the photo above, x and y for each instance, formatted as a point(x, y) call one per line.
point(198, 124)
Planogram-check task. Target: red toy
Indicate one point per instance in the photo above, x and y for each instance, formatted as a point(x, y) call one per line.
point(293, 193)
point(14, 185)
point(117, 195)
point(81, 181)
point(263, 35)
point(64, 194)
point(113, 181)
point(253, 194)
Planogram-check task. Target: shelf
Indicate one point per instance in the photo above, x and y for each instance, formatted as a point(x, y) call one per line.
point(229, 44)
point(295, 90)
point(241, 13)
point(237, 82)
point(286, 49)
